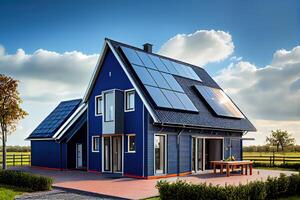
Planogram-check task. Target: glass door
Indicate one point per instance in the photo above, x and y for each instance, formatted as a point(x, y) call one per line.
point(160, 154)
point(106, 154)
point(199, 154)
point(117, 153)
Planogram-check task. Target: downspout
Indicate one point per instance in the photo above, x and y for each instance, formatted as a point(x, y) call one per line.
point(178, 151)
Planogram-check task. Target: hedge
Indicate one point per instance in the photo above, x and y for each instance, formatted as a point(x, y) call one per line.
point(295, 166)
point(272, 188)
point(25, 180)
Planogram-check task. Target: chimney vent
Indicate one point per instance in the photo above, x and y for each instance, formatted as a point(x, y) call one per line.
point(148, 47)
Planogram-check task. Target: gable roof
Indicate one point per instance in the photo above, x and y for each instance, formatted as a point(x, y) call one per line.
point(55, 120)
point(203, 118)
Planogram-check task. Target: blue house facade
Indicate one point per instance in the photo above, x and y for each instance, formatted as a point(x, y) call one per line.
point(143, 115)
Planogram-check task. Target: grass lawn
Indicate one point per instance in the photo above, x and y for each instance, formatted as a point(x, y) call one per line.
point(9, 192)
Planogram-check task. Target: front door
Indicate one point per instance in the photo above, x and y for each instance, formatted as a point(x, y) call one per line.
point(160, 154)
point(112, 154)
point(79, 156)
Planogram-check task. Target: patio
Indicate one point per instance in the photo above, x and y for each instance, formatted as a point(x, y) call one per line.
point(130, 188)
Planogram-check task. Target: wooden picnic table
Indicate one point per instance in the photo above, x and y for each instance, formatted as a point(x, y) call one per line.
point(245, 164)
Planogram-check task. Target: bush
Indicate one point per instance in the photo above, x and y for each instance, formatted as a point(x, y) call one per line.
point(25, 180)
point(295, 166)
point(273, 188)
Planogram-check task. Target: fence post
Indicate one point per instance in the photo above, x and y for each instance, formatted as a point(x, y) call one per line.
point(21, 159)
point(270, 161)
point(273, 159)
point(13, 157)
point(283, 159)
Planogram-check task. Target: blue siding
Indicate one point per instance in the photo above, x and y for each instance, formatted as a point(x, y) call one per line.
point(172, 154)
point(133, 123)
point(185, 153)
point(45, 154)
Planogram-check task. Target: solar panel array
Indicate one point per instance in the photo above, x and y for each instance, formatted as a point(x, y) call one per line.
point(157, 75)
point(219, 101)
point(55, 119)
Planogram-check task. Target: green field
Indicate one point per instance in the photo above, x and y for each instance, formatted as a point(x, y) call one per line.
point(14, 158)
point(289, 157)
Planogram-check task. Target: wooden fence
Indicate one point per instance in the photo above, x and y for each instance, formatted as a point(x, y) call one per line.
point(273, 159)
point(17, 159)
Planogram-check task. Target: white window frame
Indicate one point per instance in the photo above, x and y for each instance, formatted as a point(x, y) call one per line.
point(104, 106)
point(96, 105)
point(125, 100)
point(93, 144)
point(128, 146)
point(166, 154)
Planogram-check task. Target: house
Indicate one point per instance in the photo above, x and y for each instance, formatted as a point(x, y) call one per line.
point(143, 115)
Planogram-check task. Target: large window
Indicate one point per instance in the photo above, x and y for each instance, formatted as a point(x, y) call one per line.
point(98, 105)
point(129, 100)
point(131, 143)
point(95, 143)
point(109, 106)
point(160, 154)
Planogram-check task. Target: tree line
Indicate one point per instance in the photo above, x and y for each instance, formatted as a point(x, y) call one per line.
point(17, 148)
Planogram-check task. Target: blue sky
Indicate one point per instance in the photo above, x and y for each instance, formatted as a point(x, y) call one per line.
point(258, 29)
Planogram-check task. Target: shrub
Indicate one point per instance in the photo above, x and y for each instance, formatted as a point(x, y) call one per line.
point(273, 188)
point(295, 166)
point(25, 180)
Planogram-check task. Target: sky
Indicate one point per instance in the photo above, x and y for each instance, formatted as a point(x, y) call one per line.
point(251, 48)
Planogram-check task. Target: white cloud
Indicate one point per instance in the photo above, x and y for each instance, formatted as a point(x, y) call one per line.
point(46, 78)
point(270, 95)
point(199, 48)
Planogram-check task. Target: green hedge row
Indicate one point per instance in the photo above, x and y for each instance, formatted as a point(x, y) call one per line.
point(295, 166)
point(272, 188)
point(25, 180)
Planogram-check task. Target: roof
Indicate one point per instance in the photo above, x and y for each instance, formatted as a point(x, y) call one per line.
point(203, 118)
point(55, 120)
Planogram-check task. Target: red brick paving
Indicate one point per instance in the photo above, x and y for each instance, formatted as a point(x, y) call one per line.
point(138, 188)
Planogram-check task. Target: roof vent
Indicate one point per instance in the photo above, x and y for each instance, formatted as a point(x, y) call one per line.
point(148, 47)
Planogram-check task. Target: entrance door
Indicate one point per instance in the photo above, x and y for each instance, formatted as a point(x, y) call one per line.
point(117, 153)
point(213, 151)
point(79, 156)
point(112, 154)
point(197, 154)
point(160, 154)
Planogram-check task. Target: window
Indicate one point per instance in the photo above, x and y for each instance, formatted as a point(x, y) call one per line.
point(129, 100)
point(106, 152)
point(131, 143)
point(98, 105)
point(95, 143)
point(109, 106)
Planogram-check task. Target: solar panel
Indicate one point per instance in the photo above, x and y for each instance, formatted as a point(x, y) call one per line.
point(161, 64)
point(159, 79)
point(158, 97)
point(55, 119)
point(219, 101)
point(144, 75)
point(173, 99)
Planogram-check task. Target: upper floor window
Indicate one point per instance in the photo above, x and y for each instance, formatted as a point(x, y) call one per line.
point(129, 100)
point(98, 105)
point(95, 143)
point(109, 106)
point(131, 143)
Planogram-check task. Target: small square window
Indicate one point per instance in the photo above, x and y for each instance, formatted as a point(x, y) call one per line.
point(129, 100)
point(95, 143)
point(99, 104)
point(131, 143)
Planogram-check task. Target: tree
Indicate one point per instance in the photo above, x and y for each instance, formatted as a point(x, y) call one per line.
point(281, 139)
point(10, 111)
